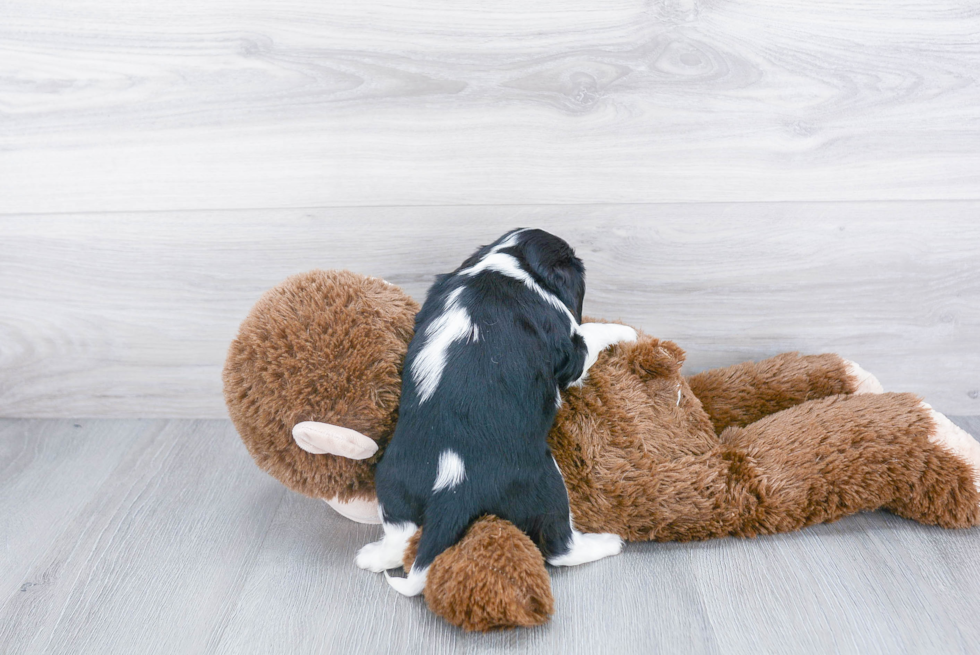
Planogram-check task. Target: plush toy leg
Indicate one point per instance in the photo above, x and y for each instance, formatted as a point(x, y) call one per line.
point(494, 577)
point(820, 461)
point(744, 393)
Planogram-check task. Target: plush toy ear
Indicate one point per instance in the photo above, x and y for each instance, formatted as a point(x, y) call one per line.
point(327, 439)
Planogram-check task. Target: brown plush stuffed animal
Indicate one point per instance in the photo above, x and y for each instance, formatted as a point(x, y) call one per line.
point(313, 379)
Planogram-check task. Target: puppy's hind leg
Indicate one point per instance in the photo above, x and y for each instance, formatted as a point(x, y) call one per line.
point(444, 525)
point(571, 547)
point(387, 553)
point(562, 544)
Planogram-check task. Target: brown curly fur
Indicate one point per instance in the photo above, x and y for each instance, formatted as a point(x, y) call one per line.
point(322, 346)
point(494, 577)
point(792, 452)
point(750, 449)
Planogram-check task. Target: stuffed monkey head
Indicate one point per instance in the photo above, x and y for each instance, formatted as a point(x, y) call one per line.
point(323, 346)
point(312, 384)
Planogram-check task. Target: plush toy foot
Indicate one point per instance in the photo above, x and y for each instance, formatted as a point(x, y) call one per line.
point(358, 510)
point(864, 382)
point(387, 553)
point(494, 577)
point(588, 548)
point(956, 441)
point(326, 439)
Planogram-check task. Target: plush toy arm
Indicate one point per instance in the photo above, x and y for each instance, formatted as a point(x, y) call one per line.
point(744, 393)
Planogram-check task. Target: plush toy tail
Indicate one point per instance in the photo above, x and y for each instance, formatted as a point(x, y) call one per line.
point(493, 578)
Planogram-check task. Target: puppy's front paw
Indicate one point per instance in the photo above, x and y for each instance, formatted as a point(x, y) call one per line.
point(602, 335)
point(624, 334)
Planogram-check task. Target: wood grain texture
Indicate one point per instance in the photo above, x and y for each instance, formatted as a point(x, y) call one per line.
point(163, 537)
point(114, 105)
point(130, 315)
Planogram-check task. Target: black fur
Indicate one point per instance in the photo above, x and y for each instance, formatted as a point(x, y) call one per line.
point(494, 405)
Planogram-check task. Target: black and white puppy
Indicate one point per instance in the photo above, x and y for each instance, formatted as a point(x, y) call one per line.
point(495, 342)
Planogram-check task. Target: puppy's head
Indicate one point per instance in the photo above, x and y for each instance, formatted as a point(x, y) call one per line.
point(550, 261)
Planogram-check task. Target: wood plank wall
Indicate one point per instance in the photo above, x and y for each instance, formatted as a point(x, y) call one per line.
point(743, 177)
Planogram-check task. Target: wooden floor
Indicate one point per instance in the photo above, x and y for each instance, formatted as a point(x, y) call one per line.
point(161, 536)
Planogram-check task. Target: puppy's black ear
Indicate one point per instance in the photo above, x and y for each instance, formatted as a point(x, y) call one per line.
point(553, 264)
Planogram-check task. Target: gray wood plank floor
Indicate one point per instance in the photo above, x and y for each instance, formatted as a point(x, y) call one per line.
point(161, 536)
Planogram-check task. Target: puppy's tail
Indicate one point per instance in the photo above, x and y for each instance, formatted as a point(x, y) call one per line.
point(444, 524)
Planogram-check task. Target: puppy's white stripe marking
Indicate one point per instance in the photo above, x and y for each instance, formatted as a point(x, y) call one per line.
point(678, 395)
point(387, 553)
point(558, 397)
point(512, 240)
point(451, 471)
point(453, 324)
point(410, 586)
point(509, 266)
point(583, 548)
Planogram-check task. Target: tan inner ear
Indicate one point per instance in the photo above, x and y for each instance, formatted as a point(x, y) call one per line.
point(326, 439)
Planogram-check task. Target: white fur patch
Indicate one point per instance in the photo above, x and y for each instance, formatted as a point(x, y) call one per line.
point(956, 441)
point(452, 325)
point(588, 548)
point(451, 471)
point(410, 586)
point(512, 240)
point(509, 266)
point(864, 382)
point(387, 553)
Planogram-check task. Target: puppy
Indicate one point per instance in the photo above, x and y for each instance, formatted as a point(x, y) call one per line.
point(495, 342)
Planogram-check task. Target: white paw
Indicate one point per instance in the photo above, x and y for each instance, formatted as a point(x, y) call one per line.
point(413, 585)
point(956, 441)
point(588, 548)
point(865, 382)
point(375, 557)
point(620, 333)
